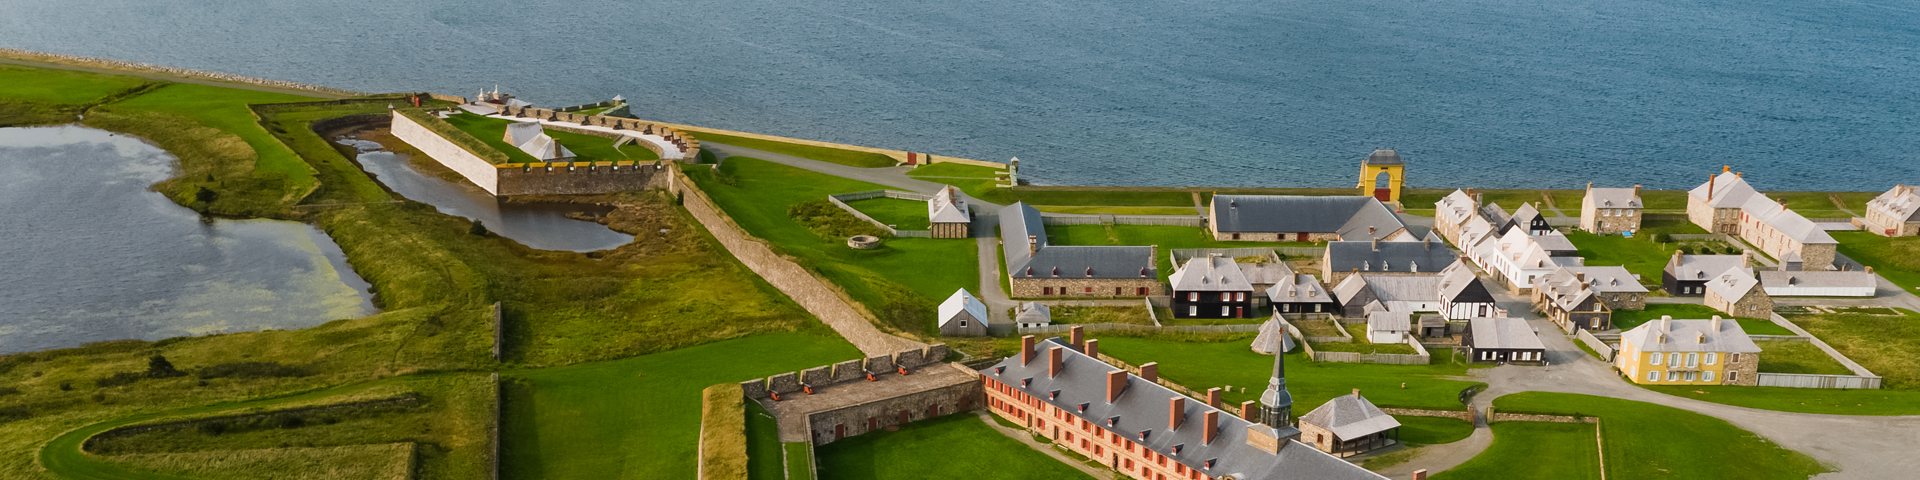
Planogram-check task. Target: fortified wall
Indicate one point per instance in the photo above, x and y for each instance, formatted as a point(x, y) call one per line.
point(556, 178)
point(688, 147)
point(827, 403)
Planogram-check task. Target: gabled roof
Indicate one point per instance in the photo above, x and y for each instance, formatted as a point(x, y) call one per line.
point(1089, 261)
point(1350, 288)
point(1017, 222)
point(1675, 335)
point(1389, 321)
point(1818, 279)
point(1455, 208)
point(1787, 222)
point(1349, 217)
point(961, 301)
point(1554, 241)
point(1299, 288)
point(1900, 203)
point(1494, 213)
point(1612, 198)
point(1458, 278)
point(1271, 340)
point(1142, 406)
point(1266, 273)
point(1702, 267)
point(1209, 274)
point(1609, 279)
point(947, 206)
point(1727, 190)
point(1503, 332)
point(1403, 288)
point(1350, 416)
point(1525, 214)
point(1733, 284)
point(1368, 256)
point(1034, 312)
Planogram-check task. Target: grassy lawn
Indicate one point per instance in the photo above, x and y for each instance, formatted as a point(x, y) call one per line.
point(1802, 400)
point(1166, 237)
point(1203, 365)
point(1166, 318)
point(1360, 344)
point(1533, 450)
point(765, 454)
point(1897, 259)
point(1645, 440)
point(1886, 345)
point(1095, 210)
point(1820, 204)
point(41, 85)
point(1136, 315)
point(825, 154)
point(588, 148)
point(1798, 357)
point(1432, 430)
point(1319, 328)
point(956, 170)
point(901, 214)
point(952, 446)
point(1640, 254)
point(225, 109)
point(1627, 319)
point(636, 417)
point(901, 282)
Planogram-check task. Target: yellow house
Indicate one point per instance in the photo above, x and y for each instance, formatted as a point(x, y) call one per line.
point(1688, 352)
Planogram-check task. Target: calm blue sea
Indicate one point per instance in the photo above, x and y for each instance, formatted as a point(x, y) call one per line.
point(1493, 93)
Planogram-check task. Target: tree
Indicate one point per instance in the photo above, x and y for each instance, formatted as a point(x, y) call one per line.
point(205, 195)
point(159, 367)
point(477, 228)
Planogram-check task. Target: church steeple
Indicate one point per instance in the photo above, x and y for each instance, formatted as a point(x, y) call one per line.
point(1276, 402)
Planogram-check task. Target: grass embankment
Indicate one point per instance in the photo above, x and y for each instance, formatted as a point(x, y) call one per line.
point(1416, 432)
point(723, 433)
point(392, 461)
point(938, 448)
point(1360, 343)
point(1205, 364)
point(957, 170)
point(492, 131)
point(901, 282)
point(800, 465)
point(851, 158)
point(636, 417)
point(1897, 259)
point(1536, 450)
point(1798, 357)
point(466, 141)
point(1164, 236)
point(1885, 344)
point(1645, 440)
point(1802, 400)
point(901, 214)
point(1627, 319)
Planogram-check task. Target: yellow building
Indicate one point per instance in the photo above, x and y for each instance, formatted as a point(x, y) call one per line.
point(1688, 352)
point(1382, 174)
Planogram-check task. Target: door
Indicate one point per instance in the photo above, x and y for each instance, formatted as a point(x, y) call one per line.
point(903, 417)
point(1302, 236)
point(1380, 190)
point(839, 431)
point(933, 410)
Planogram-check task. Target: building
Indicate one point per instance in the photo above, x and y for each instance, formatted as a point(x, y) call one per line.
point(1688, 352)
point(1503, 340)
point(1271, 340)
point(1294, 293)
point(948, 213)
point(963, 316)
point(1037, 269)
point(1463, 296)
point(1032, 314)
point(1433, 326)
point(1382, 175)
point(1738, 294)
point(1613, 285)
point(1344, 258)
point(1211, 287)
point(1298, 218)
point(1574, 307)
point(1778, 283)
point(1518, 259)
point(1349, 425)
point(1687, 275)
point(531, 138)
point(1061, 391)
point(1452, 213)
point(1400, 293)
point(1527, 219)
point(1727, 204)
point(1607, 211)
point(1895, 213)
point(1387, 326)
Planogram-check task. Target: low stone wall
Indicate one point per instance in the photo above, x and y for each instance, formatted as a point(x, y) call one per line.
point(884, 413)
point(578, 178)
point(901, 156)
point(1530, 417)
point(29, 55)
point(848, 371)
point(1462, 415)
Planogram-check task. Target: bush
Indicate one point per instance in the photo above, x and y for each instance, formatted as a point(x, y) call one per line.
point(118, 379)
point(159, 367)
point(251, 370)
point(830, 222)
point(14, 413)
point(477, 229)
point(66, 385)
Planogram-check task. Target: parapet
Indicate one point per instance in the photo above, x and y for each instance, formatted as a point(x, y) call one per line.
point(847, 371)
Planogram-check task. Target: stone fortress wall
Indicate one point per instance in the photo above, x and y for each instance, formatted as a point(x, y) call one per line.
point(931, 388)
point(555, 178)
point(476, 169)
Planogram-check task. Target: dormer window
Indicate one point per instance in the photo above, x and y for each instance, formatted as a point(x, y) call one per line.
point(1083, 407)
point(1000, 370)
point(1053, 395)
point(1056, 271)
point(1026, 382)
point(1113, 421)
point(1143, 434)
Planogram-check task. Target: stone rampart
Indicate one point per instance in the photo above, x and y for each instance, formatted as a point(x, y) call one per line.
point(578, 178)
point(1528, 417)
point(689, 147)
point(847, 371)
point(476, 169)
point(882, 413)
point(817, 375)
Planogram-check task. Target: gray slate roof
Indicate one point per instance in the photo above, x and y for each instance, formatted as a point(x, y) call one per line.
point(1689, 336)
point(947, 206)
point(1423, 256)
point(1347, 216)
point(1389, 321)
point(1504, 333)
point(961, 301)
point(1384, 156)
point(1350, 416)
point(1403, 288)
point(1020, 220)
point(1702, 267)
point(1612, 198)
point(1818, 279)
point(1142, 406)
point(1555, 242)
point(1298, 288)
point(1610, 279)
point(1900, 202)
point(1034, 312)
point(1271, 339)
point(1728, 191)
point(1456, 278)
point(1209, 274)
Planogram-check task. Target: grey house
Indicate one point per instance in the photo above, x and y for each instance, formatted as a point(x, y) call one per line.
point(1036, 268)
point(1299, 218)
point(1033, 314)
point(1343, 259)
point(963, 316)
point(1349, 425)
point(1503, 340)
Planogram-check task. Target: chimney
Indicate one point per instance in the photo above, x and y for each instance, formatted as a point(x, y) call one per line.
point(1053, 361)
point(1715, 324)
point(1666, 323)
point(1428, 242)
point(1376, 241)
point(1739, 174)
point(1150, 372)
point(1250, 411)
point(1176, 408)
point(1420, 474)
point(1370, 231)
point(1033, 244)
point(1869, 269)
point(1636, 191)
point(1356, 393)
point(1213, 397)
point(1589, 186)
point(1116, 380)
point(1211, 428)
point(1710, 180)
point(1726, 168)
point(1078, 337)
point(1026, 349)
point(1093, 348)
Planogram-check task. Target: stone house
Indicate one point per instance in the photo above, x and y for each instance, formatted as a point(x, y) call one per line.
point(1688, 352)
point(1613, 285)
point(949, 215)
point(1576, 307)
point(1895, 213)
point(1738, 294)
point(1463, 296)
point(1502, 340)
point(1518, 259)
point(1039, 269)
point(1346, 258)
point(962, 315)
point(1452, 213)
point(1607, 211)
point(1687, 275)
point(1727, 204)
point(1349, 425)
point(1300, 218)
point(1211, 287)
point(1527, 219)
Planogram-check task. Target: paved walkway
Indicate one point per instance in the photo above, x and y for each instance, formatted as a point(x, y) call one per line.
point(1027, 438)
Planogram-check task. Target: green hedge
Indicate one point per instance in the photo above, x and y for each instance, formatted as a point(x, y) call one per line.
point(723, 433)
point(457, 136)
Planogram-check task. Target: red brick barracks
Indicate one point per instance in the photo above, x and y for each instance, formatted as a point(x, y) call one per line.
point(1064, 392)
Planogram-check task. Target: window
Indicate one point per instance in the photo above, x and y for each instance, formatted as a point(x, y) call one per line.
point(1673, 376)
point(1236, 236)
point(1733, 376)
point(1130, 461)
point(1653, 376)
point(1083, 444)
point(1713, 358)
point(1099, 450)
point(1240, 297)
point(1693, 359)
point(1732, 358)
point(1224, 310)
point(1193, 310)
point(1655, 357)
point(1141, 291)
point(1089, 289)
point(1046, 290)
point(1116, 291)
point(1706, 376)
point(963, 324)
point(1673, 359)
point(1226, 296)
point(1689, 377)
point(1193, 296)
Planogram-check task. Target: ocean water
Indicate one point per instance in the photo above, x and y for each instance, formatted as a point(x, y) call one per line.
point(1488, 93)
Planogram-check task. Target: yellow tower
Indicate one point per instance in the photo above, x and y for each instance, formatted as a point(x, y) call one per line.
point(1382, 174)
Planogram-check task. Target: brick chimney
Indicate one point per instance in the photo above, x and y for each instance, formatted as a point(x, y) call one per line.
point(1710, 180)
point(1250, 411)
point(1211, 428)
point(1093, 348)
point(1213, 397)
point(1176, 410)
point(1053, 361)
point(1420, 474)
point(1150, 372)
point(1026, 349)
point(1714, 324)
point(1636, 191)
point(1116, 381)
point(1077, 337)
point(1033, 244)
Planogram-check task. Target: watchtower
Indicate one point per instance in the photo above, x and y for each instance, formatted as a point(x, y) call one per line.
point(1382, 174)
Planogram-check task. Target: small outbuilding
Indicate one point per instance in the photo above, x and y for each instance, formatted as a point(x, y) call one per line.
point(1387, 326)
point(1818, 284)
point(1033, 314)
point(948, 214)
point(963, 315)
point(1503, 340)
point(1349, 425)
point(1433, 326)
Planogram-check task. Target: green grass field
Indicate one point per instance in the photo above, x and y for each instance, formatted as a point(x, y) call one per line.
point(69, 87)
point(766, 457)
point(636, 417)
point(1820, 204)
point(945, 447)
point(1432, 430)
point(1798, 357)
point(226, 109)
point(1203, 365)
point(955, 170)
point(1627, 319)
point(1645, 440)
point(1803, 400)
point(1534, 451)
point(1897, 259)
point(1640, 254)
point(588, 148)
point(901, 282)
point(1065, 314)
point(1095, 210)
point(1164, 236)
point(901, 214)
point(1886, 345)
point(850, 158)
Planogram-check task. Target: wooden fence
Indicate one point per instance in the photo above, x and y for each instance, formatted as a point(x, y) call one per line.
point(1801, 380)
point(839, 200)
point(1599, 347)
point(1079, 219)
point(1137, 328)
point(1420, 357)
point(1779, 338)
point(1309, 252)
point(1181, 255)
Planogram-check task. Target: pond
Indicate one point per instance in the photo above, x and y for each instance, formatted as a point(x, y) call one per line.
point(89, 253)
point(539, 225)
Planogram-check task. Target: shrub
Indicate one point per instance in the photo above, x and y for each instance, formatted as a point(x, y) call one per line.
point(118, 379)
point(66, 385)
point(159, 367)
point(251, 370)
point(477, 229)
point(830, 222)
point(14, 413)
